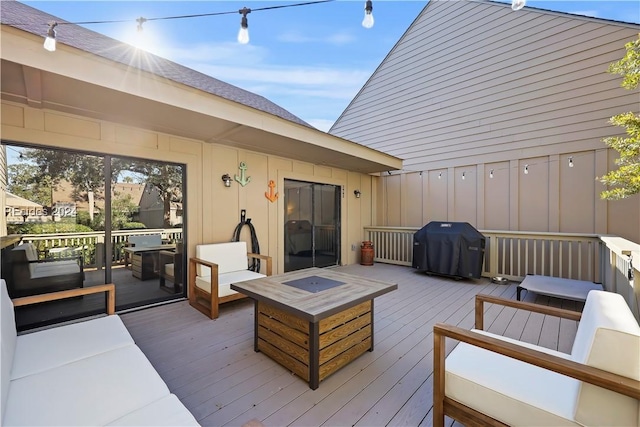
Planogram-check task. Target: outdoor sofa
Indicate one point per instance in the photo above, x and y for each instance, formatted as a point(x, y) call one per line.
point(89, 373)
point(31, 275)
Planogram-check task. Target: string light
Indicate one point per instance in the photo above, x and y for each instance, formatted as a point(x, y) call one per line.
point(368, 21)
point(570, 162)
point(526, 169)
point(50, 40)
point(243, 33)
point(517, 4)
point(464, 175)
point(140, 21)
point(440, 175)
point(491, 174)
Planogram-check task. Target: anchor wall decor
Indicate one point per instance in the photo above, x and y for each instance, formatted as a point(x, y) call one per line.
point(271, 195)
point(242, 179)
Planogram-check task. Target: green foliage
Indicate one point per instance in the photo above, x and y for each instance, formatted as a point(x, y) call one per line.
point(46, 227)
point(132, 226)
point(625, 181)
point(629, 66)
point(24, 181)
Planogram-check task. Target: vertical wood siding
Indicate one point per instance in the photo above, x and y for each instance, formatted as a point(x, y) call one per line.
point(474, 86)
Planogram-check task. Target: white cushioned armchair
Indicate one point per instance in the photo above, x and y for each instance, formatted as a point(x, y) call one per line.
point(493, 380)
point(214, 269)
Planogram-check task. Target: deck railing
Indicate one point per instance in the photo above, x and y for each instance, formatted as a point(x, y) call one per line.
point(91, 244)
point(513, 255)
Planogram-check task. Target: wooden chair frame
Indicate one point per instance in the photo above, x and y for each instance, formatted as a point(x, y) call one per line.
point(443, 405)
point(210, 306)
point(109, 288)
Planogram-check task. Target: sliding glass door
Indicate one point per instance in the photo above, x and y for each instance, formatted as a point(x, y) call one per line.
point(312, 225)
point(84, 219)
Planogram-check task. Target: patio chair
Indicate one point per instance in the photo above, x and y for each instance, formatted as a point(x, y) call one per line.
point(141, 241)
point(493, 380)
point(214, 269)
point(170, 268)
point(31, 275)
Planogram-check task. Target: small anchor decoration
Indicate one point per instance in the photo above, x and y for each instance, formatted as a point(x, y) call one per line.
point(242, 179)
point(271, 195)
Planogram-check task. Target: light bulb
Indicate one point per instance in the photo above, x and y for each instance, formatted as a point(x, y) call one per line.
point(517, 4)
point(368, 21)
point(464, 175)
point(50, 44)
point(570, 162)
point(526, 169)
point(243, 35)
point(491, 174)
point(50, 41)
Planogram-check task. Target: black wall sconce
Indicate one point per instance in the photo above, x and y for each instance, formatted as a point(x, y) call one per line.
point(357, 193)
point(226, 178)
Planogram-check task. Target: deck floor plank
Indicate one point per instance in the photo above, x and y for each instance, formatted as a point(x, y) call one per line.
point(211, 366)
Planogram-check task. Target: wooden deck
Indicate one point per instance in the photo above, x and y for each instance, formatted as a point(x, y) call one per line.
point(211, 366)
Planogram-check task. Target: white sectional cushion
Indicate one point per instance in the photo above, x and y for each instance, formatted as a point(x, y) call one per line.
point(230, 256)
point(93, 391)
point(607, 326)
point(168, 411)
point(50, 348)
point(8, 340)
point(509, 390)
point(226, 280)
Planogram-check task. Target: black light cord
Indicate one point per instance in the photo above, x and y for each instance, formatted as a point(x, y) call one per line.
point(200, 15)
point(255, 245)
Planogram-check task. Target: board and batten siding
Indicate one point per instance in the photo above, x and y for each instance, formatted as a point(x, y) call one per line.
point(212, 210)
point(473, 86)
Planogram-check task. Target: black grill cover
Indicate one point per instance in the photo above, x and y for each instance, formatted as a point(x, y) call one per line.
point(449, 248)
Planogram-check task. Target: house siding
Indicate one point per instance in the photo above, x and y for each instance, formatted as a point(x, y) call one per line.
point(474, 86)
point(212, 210)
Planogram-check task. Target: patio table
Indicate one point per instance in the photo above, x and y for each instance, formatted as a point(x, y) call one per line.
point(313, 321)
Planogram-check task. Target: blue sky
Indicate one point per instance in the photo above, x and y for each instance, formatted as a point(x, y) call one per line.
point(311, 60)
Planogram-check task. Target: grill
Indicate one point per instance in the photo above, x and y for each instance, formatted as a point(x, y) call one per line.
point(454, 249)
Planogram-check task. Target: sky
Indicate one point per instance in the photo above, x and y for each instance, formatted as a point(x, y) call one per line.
point(311, 60)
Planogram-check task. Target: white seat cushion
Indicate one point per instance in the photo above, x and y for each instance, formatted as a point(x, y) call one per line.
point(168, 411)
point(92, 391)
point(50, 348)
point(8, 342)
point(509, 390)
point(225, 281)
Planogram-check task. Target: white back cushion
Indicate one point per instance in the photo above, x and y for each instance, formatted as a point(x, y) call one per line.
point(7, 343)
point(608, 338)
point(231, 256)
point(146, 240)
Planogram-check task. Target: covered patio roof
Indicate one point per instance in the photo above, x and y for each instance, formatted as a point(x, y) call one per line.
point(94, 76)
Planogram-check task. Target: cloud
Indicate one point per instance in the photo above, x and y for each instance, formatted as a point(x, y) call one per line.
point(322, 124)
point(339, 38)
point(305, 76)
point(315, 93)
point(216, 53)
